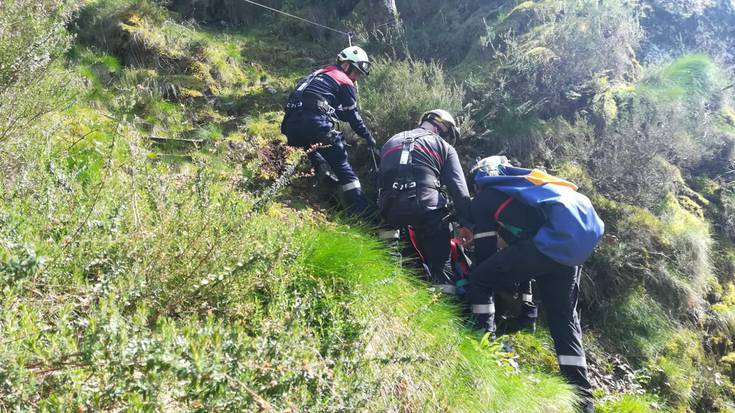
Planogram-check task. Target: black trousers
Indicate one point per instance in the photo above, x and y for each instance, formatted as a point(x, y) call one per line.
point(432, 240)
point(302, 130)
point(559, 289)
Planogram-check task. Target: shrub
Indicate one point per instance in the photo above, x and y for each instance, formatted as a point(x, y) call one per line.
point(668, 254)
point(32, 38)
point(546, 54)
point(632, 162)
point(398, 92)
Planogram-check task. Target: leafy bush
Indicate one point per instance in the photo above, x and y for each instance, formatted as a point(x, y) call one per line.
point(33, 35)
point(159, 290)
point(667, 121)
point(546, 55)
point(398, 92)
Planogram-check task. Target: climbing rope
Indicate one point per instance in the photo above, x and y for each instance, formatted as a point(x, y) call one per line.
point(348, 34)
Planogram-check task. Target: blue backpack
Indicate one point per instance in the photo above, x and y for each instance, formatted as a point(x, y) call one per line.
point(572, 228)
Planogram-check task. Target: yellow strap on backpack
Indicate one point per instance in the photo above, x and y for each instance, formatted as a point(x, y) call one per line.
point(539, 177)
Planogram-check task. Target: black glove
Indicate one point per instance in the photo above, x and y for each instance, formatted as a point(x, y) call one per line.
point(371, 142)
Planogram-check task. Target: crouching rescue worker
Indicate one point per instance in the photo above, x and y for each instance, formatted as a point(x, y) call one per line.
point(313, 110)
point(551, 230)
point(489, 238)
point(414, 165)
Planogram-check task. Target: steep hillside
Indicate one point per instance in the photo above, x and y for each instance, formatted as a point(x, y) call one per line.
point(161, 248)
point(163, 274)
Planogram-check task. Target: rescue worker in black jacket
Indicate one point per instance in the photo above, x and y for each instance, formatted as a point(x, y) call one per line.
point(313, 110)
point(518, 262)
point(414, 166)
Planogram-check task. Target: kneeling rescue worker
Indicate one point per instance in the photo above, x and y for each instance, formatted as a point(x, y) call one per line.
point(313, 110)
point(414, 165)
point(551, 230)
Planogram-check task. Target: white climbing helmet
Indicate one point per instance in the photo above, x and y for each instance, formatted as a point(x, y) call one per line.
point(357, 57)
point(490, 166)
point(444, 121)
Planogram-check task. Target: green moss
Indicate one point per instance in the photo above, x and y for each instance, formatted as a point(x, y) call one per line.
point(604, 102)
point(706, 186)
point(729, 359)
point(536, 351)
point(690, 237)
point(674, 372)
point(723, 310)
point(524, 6)
point(642, 220)
point(728, 115)
point(576, 173)
point(265, 125)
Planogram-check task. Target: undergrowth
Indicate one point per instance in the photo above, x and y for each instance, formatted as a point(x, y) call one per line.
point(148, 260)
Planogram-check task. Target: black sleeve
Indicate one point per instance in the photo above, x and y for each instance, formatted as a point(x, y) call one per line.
point(347, 111)
point(453, 177)
point(486, 228)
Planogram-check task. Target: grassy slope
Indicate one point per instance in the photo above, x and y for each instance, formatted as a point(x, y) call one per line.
point(133, 282)
point(168, 266)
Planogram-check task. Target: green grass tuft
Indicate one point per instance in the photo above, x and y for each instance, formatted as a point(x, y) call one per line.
point(630, 403)
point(689, 77)
point(440, 365)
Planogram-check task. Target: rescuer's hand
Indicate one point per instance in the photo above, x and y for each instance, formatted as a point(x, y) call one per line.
point(466, 236)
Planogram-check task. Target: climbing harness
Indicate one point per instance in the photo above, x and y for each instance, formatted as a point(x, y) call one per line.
point(398, 198)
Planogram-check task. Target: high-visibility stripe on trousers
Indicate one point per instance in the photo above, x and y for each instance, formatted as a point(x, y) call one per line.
point(351, 185)
point(446, 288)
